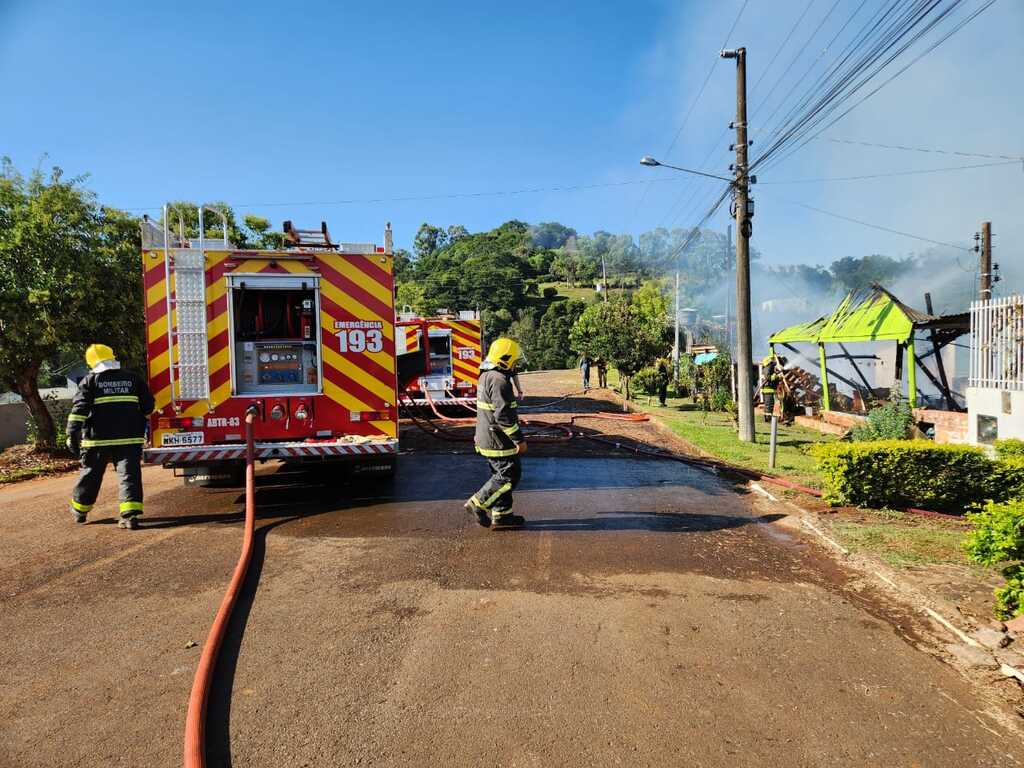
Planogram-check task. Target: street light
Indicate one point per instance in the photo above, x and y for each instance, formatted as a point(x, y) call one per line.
point(653, 163)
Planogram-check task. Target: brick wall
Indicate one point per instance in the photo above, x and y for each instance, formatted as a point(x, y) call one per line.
point(950, 426)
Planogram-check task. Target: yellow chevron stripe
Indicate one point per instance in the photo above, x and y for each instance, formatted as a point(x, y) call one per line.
point(213, 258)
point(355, 308)
point(349, 267)
point(219, 360)
point(220, 394)
point(163, 397)
point(157, 329)
point(156, 293)
point(343, 398)
point(255, 265)
point(384, 391)
point(158, 364)
point(389, 428)
point(216, 291)
point(463, 341)
point(218, 325)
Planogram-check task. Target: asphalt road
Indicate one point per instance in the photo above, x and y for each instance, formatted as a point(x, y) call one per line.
point(648, 615)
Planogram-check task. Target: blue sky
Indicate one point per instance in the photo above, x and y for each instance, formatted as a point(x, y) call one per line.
point(319, 102)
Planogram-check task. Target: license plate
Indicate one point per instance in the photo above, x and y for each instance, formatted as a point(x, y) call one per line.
point(182, 438)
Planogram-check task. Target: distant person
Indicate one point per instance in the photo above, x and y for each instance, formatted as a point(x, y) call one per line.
point(584, 366)
point(602, 373)
point(663, 377)
point(107, 424)
point(498, 437)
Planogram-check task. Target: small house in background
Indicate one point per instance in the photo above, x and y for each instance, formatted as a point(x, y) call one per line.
point(995, 392)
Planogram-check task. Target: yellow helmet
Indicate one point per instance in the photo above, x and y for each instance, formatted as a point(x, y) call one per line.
point(768, 359)
point(97, 353)
point(505, 353)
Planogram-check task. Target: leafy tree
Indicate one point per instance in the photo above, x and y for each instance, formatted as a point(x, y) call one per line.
point(429, 239)
point(410, 294)
point(551, 348)
point(260, 234)
point(403, 265)
point(852, 274)
point(622, 333)
point(69, 276)
point(524, 330)
point(489, 270)
point(457, 232)
point(549, 235)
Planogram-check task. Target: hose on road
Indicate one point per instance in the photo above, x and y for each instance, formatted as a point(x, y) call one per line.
point(195, 720)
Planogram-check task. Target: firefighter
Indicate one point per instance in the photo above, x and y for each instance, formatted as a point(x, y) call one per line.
point(107, 424)
point(770, 375)
point(498, 438)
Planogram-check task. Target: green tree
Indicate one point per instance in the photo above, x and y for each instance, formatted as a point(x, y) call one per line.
point(549, 235)
point(853, 274)
point(260, 235)
point(69, 276)
point(551, 348)
point(622, 333)
point(429, 239)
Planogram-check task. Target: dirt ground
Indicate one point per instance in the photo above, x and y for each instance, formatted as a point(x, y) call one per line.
point(649, 614)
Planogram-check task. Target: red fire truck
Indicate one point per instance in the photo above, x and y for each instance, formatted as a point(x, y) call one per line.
point(450, 345)
point(305, 333)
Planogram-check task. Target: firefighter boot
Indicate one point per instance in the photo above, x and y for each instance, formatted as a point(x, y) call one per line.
point(129, 523)
point(507, 520)
point(473, 508)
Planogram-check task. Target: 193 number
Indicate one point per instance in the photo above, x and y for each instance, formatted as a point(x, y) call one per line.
point(358, 340)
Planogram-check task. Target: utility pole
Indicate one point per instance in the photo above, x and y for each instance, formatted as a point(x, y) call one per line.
point(675, 346)
point(744, 212)
point(985, 284)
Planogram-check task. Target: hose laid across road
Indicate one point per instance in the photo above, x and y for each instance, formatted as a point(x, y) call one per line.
point(195, 721)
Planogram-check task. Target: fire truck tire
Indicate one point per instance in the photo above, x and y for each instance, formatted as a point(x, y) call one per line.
point(215, 477)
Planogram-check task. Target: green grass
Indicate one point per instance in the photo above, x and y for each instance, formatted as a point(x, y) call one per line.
point(715, 434)
point(900, 544)
point(579, 292)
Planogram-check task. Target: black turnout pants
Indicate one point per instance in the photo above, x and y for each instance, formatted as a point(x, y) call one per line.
point(495, 495)
point(127, 461)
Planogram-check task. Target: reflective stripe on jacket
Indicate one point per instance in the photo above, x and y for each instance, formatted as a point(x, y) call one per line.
point(110, 408)
point(497, 422)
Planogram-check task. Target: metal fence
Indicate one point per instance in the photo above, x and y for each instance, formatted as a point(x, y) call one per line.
point(997, 343)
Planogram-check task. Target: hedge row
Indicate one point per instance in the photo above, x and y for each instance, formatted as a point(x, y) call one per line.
point(917, 473)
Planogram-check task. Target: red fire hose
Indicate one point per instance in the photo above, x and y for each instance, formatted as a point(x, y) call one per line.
point(195, 721)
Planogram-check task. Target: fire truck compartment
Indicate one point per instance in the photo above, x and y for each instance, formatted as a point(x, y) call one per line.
point(275, 334)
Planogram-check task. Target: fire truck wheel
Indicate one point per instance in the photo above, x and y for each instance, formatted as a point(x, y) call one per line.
point(214, 477)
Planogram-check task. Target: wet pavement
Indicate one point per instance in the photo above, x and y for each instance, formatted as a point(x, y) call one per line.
point(648, 614)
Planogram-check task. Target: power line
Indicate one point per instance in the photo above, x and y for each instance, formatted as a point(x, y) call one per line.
point(922, 149)
point(421, 198)
point(893, 43)
point(873, 226)
point(893, 173)
point(686, 118)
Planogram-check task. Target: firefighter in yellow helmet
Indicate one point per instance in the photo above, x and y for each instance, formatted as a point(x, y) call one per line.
point(770, 374)
point(498, 436)
point(107, 424)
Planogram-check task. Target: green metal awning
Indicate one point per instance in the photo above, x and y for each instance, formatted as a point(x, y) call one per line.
point(803, 332)
point(875, 315)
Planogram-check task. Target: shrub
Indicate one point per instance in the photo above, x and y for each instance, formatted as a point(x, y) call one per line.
point(1007, 481)
point(1009, 448)
point(646, 380)
point(892, 421)
point(550, 292)
point(997, 539)
point(720, 400)
point(903, 473)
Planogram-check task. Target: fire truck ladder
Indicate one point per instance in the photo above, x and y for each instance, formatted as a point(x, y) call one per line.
point(309, 238)
point(186, 311)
